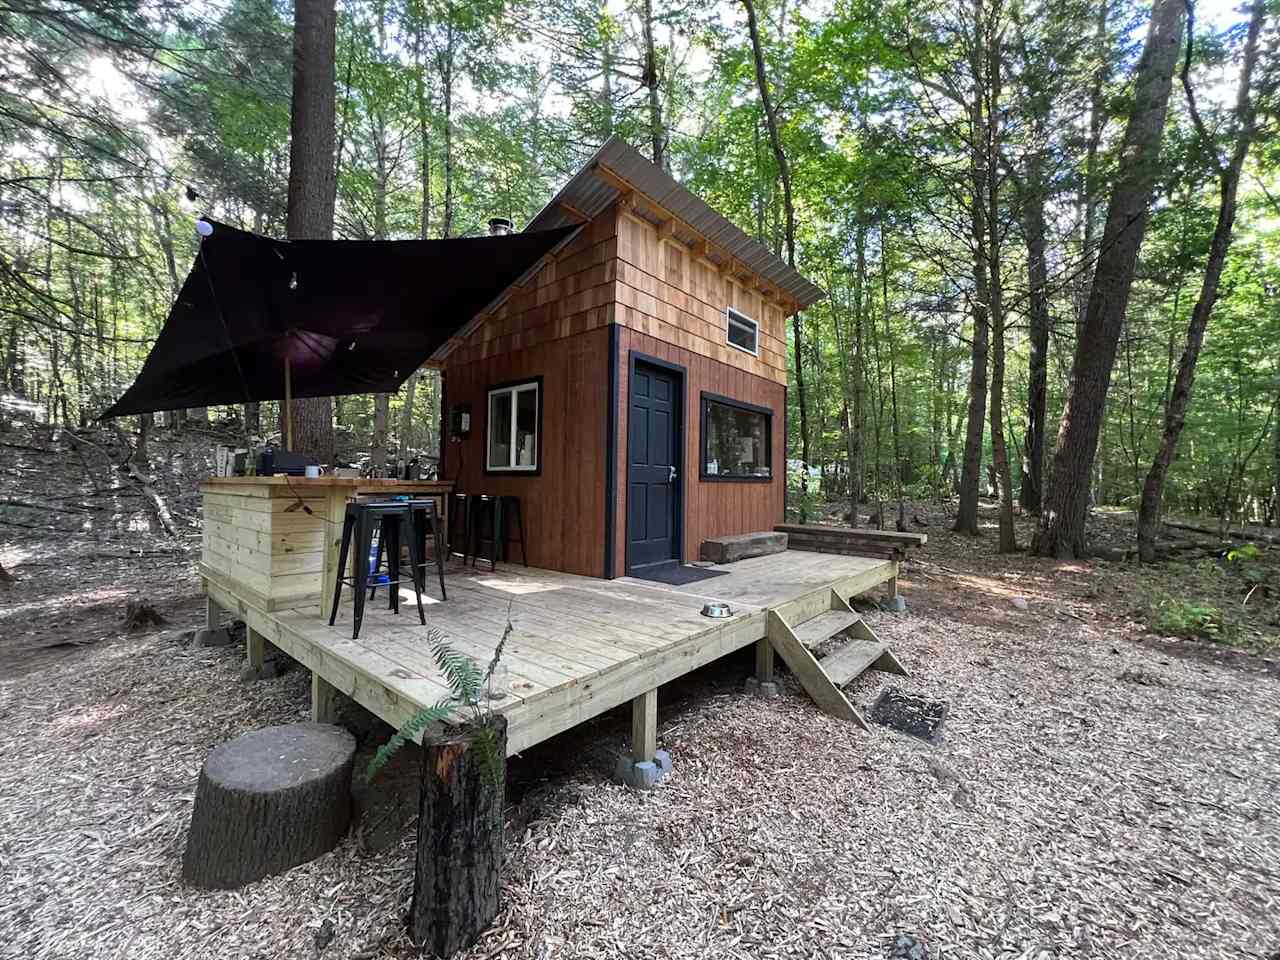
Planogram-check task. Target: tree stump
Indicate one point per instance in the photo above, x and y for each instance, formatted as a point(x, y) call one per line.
point(460, 840)
point(267, 801)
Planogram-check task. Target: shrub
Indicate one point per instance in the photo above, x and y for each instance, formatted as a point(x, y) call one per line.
point(1189, 619)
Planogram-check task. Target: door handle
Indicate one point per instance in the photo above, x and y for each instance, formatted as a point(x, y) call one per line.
point(671, 477)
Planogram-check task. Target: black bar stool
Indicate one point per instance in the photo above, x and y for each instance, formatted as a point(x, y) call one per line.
point(426, 516)
point(487, 524)
point(459, 524)
point(359, 524)
point(511, 508)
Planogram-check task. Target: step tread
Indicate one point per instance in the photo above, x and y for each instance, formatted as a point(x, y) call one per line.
point(823, 627)
point(851, 660)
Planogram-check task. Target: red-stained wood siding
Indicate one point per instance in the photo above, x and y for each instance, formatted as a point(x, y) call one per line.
point(711, 508)
point(564, 505)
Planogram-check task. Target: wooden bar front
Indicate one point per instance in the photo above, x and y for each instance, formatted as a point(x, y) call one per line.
point(273, 541)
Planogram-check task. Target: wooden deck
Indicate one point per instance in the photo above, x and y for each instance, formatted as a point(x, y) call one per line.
point(580, 645)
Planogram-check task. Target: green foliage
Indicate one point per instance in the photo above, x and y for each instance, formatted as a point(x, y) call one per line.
point(1192, 620)
point(1246, 562)
point(468, 701)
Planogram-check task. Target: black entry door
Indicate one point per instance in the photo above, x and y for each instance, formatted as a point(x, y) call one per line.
point(653, 462)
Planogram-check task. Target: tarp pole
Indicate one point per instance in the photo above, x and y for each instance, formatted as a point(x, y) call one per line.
point(288, 403)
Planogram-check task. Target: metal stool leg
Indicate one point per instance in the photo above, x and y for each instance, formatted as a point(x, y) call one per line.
point(348, 527)
point(377, 560)
point(391, 534)
point(360, 578)
point(524, 551)
point(416, 545)
point(438, 535)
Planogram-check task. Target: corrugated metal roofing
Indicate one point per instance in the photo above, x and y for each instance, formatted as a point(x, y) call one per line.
point(590, 193)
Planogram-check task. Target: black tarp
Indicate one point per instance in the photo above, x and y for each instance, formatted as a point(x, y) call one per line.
point(353, 316)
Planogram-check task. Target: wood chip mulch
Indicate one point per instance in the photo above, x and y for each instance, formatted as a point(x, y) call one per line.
point(1069, 811)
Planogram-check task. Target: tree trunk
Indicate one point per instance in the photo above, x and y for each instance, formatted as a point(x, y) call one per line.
point(1180, 396)
point(446, 80)
point(991, 29)
point(971, 464)
point(378, 444)
point(1031, 491)
point(784, 174)
point(267, 801)
point(858, 377)
point(657, 135)
point(1062, 530)
point(311, 180)
point(460, 842)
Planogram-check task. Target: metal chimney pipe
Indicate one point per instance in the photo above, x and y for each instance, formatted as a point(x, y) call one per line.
point(500, 226)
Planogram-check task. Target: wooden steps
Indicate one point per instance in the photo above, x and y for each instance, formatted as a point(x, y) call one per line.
point(822, 679)
point(817, 631)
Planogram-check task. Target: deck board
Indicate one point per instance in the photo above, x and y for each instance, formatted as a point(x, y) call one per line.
point(579, 646)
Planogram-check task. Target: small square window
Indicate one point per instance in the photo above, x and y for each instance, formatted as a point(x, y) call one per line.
point(744, 333)
point(514, 424)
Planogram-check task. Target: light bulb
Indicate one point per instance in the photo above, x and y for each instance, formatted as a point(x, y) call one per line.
point(204, 228)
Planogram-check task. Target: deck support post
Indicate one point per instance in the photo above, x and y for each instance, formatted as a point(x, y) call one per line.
point(257, 665)
point(762, 684)
point(212, 613)
point(325, 700)
point(213, 634)
point(646, 764)
point(894, 602)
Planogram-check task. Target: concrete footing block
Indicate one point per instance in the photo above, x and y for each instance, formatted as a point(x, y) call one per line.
point(217, 637)
point(761, 688)
point(643, 774)
point(896, 604)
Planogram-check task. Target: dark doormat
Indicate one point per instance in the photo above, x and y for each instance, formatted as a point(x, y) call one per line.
point(678, 574)
point(914, 716)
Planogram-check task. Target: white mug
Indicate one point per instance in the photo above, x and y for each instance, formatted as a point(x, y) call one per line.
point(313, 470)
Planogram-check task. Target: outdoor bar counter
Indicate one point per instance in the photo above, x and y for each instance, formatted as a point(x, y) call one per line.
point(273, 541)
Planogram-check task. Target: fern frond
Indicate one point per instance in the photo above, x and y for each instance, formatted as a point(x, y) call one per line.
point(492, 766)
point(460, 671)
point(411, 728)
point(497, 651)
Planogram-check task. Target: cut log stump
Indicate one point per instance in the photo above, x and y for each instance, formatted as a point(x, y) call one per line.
point(267, 801)
point(460, 823)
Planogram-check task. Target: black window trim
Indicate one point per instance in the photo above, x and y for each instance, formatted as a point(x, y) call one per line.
point(732, 314)
point(514, 471)
point(707, 398)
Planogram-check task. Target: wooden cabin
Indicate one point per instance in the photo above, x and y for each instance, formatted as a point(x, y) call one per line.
point(631, 389)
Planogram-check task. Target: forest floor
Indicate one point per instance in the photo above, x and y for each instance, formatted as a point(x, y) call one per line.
point(1102, 788)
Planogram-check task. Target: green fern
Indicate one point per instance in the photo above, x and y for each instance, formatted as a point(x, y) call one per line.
point(467, 686)
point(460, 671)
point(411, 728)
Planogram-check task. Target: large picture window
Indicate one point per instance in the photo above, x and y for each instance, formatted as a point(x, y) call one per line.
point(513, 441)
point(737, 440)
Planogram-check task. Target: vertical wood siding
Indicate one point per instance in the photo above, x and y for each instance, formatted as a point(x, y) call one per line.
point(711, 508)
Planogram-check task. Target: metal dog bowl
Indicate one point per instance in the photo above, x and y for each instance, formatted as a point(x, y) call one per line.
point(717, 610)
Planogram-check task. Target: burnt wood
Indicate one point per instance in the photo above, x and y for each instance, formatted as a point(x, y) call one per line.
point(456, 883)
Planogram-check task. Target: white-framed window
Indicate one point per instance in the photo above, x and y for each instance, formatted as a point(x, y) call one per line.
point(514, 421)
point(744, 333)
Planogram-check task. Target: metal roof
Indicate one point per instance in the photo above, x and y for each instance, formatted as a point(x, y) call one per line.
point(590, 193)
